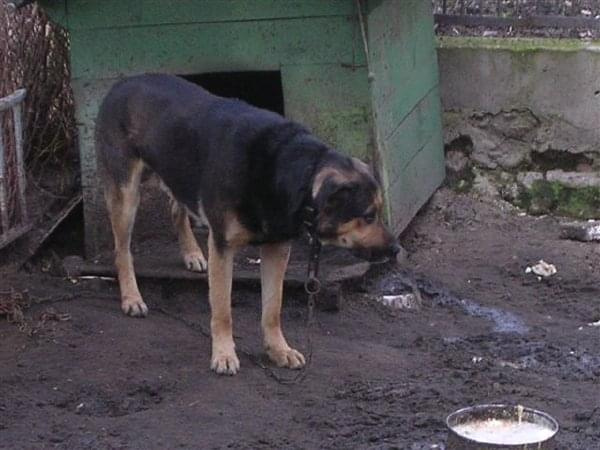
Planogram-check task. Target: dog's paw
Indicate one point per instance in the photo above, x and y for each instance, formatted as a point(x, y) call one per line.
point(287, 357)
point(195, 261)
point(134, 306)
point(225, 363)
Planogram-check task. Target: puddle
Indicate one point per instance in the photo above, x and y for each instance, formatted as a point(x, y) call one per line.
point(503, 321)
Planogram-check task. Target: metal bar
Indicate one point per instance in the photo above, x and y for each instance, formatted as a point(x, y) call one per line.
point(11, 100)
point(18, 124)
point(462, 7)
point(3, 204)
point(533, 22)
point(498, 8)
point(444, 6)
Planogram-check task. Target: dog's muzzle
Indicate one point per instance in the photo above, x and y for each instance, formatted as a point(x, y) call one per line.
point(378, 254)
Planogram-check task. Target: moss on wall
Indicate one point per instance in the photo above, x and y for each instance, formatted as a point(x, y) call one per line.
point(514, 44)
point(553, 197)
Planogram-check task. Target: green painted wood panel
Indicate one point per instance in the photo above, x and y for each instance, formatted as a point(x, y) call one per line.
point(194, 48)
point(406, 104)
point(334, 101)
point(93, 14)
point(88, 95)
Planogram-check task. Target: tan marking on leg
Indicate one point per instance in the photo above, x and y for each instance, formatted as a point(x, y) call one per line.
point(190, 250)
point(220, 271)
point(236, 235)
point(274, 260)
point(122, 203)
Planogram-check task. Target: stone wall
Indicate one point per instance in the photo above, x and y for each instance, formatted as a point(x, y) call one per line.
point(522, 121)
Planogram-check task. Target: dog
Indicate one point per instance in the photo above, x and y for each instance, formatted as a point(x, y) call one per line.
point(248, 174)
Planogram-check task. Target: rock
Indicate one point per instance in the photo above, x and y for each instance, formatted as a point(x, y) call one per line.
point(456, 161)
point(510, 191)
point(560, 135)
point(484, 186)
point(511, 154)
point(528, 178)
point(402, 301)
point(484, 145)
point(515, 124)
point(576, 180)
point(581, 231)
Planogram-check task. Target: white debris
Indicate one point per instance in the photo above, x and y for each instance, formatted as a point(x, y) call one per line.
point(476, 359)
point(581, 231)
point(594, 324)
point(542, 269)
point(253, 261)
point(402, 301)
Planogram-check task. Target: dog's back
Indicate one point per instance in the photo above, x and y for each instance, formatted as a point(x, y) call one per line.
point(182, 132)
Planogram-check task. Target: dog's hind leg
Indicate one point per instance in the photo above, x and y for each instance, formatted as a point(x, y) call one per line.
point(274, 260)
point(122, 200)
point(220, 271)
point(190, 250)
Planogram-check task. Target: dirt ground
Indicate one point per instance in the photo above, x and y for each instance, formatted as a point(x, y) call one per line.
point(79, 374)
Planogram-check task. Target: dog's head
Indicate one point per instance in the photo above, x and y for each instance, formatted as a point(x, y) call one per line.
point(349, 208)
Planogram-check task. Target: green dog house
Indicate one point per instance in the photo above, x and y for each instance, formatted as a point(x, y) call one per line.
point(372, 94)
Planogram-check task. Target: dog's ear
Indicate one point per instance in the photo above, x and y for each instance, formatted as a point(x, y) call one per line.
point(334, 195)
point(362, 166)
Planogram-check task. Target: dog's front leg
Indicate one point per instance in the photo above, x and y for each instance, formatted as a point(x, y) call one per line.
point(274, 260)
point(220, 271)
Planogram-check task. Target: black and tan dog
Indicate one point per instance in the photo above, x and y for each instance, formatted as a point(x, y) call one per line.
point(248, 174)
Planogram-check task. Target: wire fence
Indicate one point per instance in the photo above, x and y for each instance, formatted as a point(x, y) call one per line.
point(34, 55)
point(561, 18)
point(518, 8)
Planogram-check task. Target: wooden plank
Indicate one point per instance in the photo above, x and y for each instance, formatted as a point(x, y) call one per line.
point(88, 95)
point(13, 234)
point(418, 181)
point(295, 276)
point(406, 105)
point(413, 134)
point(404, 60)
point(93, 14)
point(520, 22)
point(193, 48)
point(341, 115)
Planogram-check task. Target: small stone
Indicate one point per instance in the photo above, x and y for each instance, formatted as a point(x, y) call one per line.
point(581, 231)
point(574, 180)
point(402, 301)
point(456, 161)
point(528, 178)
point(484, 186)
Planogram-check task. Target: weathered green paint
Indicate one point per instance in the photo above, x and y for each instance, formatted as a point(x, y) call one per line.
point(406, 104)
point(516, 44)
point(338, 112)
point(94, 14)
point(211, 47)
point(318, 48)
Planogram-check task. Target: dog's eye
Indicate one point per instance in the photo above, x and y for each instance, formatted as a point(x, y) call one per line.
point(370, 217)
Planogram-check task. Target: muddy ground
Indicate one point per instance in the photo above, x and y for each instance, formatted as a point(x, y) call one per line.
point(79, 374)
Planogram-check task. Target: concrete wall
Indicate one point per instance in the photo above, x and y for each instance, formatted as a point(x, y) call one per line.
point(521, 112)
point(549, 77)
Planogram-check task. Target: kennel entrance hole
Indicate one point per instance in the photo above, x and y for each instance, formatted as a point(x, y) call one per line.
point(259, 88)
